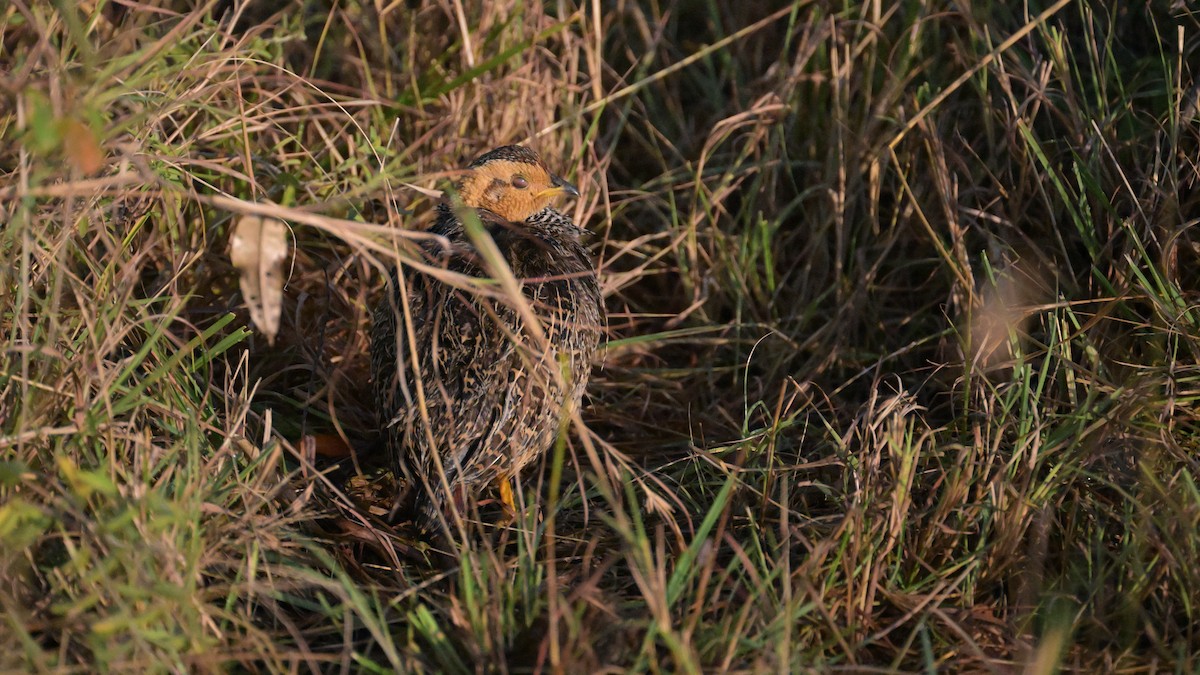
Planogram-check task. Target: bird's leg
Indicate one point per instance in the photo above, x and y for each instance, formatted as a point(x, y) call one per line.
point(506, 498)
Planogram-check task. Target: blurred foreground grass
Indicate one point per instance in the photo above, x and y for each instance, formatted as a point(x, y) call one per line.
point(902, 364)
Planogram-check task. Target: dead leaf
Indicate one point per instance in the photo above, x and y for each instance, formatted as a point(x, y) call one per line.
point(257, 247)
point(81, 147)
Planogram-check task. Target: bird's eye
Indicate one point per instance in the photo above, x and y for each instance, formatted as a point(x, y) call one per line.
point(520, 183)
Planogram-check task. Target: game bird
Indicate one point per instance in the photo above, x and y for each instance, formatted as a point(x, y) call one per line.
point(473, 384)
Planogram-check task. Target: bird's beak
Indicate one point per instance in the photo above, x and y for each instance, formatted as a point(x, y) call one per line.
point(561, 187)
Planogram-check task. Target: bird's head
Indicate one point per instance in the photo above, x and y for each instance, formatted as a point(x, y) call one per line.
point(512, 182)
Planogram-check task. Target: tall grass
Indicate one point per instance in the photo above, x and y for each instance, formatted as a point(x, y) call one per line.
point(901, 370)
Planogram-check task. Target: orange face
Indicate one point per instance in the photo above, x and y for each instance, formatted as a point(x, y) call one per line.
point(511, 189)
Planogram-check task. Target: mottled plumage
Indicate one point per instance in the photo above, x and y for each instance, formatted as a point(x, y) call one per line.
point(493, 395)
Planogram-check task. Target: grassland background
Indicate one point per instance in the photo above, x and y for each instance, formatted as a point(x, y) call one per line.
point(902, 361)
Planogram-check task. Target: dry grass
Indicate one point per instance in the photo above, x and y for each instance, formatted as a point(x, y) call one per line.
point(902, 361)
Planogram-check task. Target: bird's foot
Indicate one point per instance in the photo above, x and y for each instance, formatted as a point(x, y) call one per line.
point(507, 502)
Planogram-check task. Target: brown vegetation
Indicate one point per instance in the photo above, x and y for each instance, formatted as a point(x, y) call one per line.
point(901, 365)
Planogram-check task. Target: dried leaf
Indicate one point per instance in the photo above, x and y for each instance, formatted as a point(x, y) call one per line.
point(81, 147)
point(257, 247)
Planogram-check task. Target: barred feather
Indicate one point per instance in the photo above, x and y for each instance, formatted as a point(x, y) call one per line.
point(472, 398)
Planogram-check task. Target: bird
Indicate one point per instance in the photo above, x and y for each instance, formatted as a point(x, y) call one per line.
point(470, 386)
